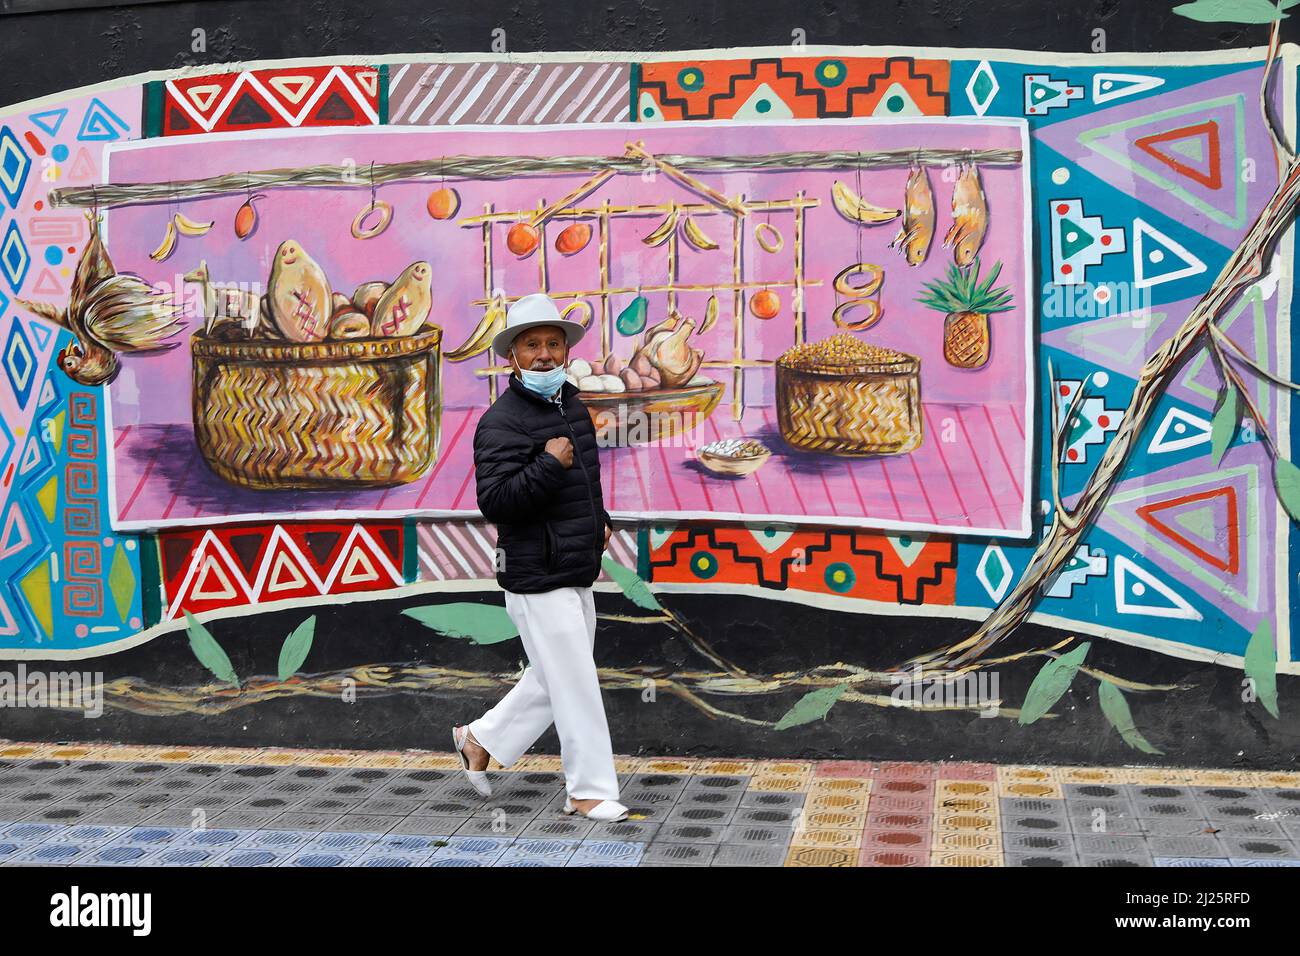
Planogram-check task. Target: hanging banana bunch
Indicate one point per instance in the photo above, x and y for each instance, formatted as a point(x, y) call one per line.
point(696, 236)
point(493, 321)
point(179, 225)
point(665, 229)
point(856, 209)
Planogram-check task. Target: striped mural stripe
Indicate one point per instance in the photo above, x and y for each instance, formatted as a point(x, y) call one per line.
point(466, 550)
point(439, 94)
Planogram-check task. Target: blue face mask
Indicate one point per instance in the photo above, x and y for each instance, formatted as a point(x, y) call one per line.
point(545, 383)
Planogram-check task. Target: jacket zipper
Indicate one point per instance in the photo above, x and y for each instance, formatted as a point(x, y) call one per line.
point(586, 475)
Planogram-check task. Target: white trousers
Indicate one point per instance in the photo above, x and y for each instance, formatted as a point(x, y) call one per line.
point(559, 686)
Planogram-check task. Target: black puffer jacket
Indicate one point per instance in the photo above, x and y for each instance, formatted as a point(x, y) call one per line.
point(550, 520)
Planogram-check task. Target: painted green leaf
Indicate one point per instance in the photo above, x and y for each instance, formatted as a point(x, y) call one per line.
point(1226, 420)
point(209, 652)
point(1231, 11)
point(296, 647)
point(1115, 707)
point(1286, 479)
point(811, 706)
point(635, 589)
point(1261, 666)
point(1051, 682)
point(631, 321)
point(480, 623)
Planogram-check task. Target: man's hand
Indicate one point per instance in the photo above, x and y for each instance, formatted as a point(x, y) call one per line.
point(608, 532)
point(562, 449)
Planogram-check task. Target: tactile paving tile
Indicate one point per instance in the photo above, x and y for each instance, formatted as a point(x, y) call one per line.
point(874, 856)
point(680, 854)
point(1115, 860)
point(690, 833)
point(734, 854)
point(1060, 843)
point(608, 852)
point(1258, 847)
point(821, 856)
point(969, 840)
point(752, 834)
point(1190, 861)
point(1098, 844)
point(964, 858)
point(763, 799)
point(1046, 858)
point(826, 839)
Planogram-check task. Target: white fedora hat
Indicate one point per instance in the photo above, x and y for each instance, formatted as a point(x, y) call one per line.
point(530, 311)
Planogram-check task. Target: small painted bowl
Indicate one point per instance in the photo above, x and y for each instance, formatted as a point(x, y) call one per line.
point(734, 457)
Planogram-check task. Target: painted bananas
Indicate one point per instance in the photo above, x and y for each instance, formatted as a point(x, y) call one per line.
point(493, 321)
point(189, 227)
point(696, 236)
point(178, 226)
point(856, 209)
point(168, 245)
point(710, 315)
point(663, 230)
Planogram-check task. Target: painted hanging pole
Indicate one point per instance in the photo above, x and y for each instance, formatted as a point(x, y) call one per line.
point(505, 167)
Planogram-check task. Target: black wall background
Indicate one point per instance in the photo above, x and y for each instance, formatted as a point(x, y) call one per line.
point(44, 53)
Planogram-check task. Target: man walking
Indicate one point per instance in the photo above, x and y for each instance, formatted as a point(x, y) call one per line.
point(538, 481)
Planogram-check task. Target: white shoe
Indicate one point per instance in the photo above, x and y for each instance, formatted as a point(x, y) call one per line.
point(478, 779)
point(607, 811)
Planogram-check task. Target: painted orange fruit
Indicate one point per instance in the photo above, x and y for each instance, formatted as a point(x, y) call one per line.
point(246, 218)
point(443, 203)
point(573, 238)
point(765, 304)
point(521, 239)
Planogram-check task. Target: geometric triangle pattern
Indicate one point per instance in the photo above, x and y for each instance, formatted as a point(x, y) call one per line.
point(1107, 87)
point(1138, 591)
point(206, 569)
point(1079, 241)
point(1042, 93)
point(288, 98)
point(1207, 531)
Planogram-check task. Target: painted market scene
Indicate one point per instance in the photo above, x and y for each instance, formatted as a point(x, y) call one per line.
point(922, 489)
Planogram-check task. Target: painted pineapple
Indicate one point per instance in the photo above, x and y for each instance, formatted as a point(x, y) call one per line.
point(968, 303)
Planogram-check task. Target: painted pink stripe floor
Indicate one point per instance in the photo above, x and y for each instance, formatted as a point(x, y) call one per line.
point(968, 473)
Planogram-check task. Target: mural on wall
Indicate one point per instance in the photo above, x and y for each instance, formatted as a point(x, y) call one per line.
point(821, 367)
point(747, 308)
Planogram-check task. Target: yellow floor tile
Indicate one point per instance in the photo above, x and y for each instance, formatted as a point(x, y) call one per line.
point(844, 786)
point(540, 764)
point(979, 841)
point(834, 820)
point(985, 789)
point(1017, 774)
point(964, 858)
point(1092, 775)
point(669, 765)
point(1039, 791)
point(785, 784)
point(724, 768)
point(946, 803)
point(827, 837)
point(843, 802)
point(784, 768)
point(981, 822)
point(821, 856)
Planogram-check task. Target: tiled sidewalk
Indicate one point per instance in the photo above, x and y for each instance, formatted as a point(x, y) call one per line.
point(194, 806)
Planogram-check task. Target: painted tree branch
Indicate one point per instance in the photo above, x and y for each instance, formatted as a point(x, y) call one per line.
point(1244, 267)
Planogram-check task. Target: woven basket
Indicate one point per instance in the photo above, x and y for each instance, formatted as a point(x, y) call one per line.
point(356, 413)
point(870, 409)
